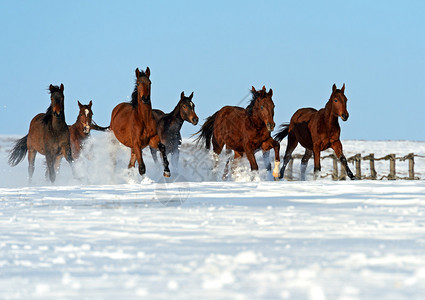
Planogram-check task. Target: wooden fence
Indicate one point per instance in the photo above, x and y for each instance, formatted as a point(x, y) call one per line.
point(338, 172)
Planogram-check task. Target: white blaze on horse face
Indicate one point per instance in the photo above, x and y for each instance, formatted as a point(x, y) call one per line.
point(87, 112)
point(191, 104)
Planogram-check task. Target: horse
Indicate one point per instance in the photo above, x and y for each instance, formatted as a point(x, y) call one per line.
point(316, 131)
point(80, 130)
point(243, 130)
point(134, 126)
point(48, 135)
point(169, 125)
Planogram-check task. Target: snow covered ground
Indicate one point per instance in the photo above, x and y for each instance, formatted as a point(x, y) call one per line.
point(114, 235)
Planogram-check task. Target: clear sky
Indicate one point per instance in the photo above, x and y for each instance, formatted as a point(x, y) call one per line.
point(218, 50)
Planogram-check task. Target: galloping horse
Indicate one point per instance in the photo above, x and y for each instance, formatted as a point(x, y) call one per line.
point(169, 125)
point(48, 134)
point(80, 130)
point(243, 130)
point(134, 126)
point(316, 131)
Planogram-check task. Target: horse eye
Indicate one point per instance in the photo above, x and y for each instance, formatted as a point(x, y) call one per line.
point(184, 106)
point(262, 107)
point(336, 100)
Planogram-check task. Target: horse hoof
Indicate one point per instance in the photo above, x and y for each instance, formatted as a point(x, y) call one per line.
point(167, 174)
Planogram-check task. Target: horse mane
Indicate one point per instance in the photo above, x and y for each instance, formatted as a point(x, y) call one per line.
point(251, 104)
point(134, 101)
point(49, 112)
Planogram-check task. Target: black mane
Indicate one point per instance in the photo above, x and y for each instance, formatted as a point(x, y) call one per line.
point(251, 104)
point(133, 101)
point(49, 112)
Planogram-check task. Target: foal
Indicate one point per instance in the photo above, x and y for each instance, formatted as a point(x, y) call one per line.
point(169, 125)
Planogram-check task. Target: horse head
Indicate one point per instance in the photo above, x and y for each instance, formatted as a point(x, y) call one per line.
point(262, 105)
point(85, 116)
point(339, 102)
point(57, 99)
point(187, 109)
point(143, 85)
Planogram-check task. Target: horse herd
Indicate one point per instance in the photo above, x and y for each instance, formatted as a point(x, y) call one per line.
point(136, 125)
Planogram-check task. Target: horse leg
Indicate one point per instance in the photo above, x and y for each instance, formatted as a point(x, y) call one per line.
point(50, 160)
point(136, 154)
point(236, 159)
point(266, 146)
point(290, 147)
point(153, 152)
point(226, 168)
point(266, 158)
point(251, 158)
point(175, 155)
point(217, 148)
point(337, 147)
point(156, 143)
point(31, 160)
point(57, 163)
point(317, 166)
point(304, 162)
point(132, 161)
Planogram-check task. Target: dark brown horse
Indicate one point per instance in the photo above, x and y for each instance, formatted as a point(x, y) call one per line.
point(169, 125)
point(48, 135)
point(243, 130)
point(80, 130)
point(134, 126)
point(316, 131)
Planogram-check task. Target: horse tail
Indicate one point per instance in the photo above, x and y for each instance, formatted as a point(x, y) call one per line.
point(18, 152)
point(94, 126)
point(206, 131)
point(280, 135)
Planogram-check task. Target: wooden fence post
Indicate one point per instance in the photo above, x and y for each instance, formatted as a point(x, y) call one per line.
point(358, 159)
point(373, 174)
point(335, 169)
point(288, 170)
point(392, 175)
point(343, 175)
point(411, 158)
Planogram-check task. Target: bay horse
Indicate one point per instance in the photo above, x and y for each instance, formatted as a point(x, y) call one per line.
point(80, 130)
point(48, 135)
point(316, 131)
point(169, 125)
point(134, 126)
point(243, 130)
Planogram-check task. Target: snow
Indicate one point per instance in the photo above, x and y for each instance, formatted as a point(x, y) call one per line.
point(112, 234)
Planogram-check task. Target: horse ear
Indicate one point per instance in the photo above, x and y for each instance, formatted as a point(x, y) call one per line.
point(334, 88)
point(148, 72)
point(79, 104)
point(191, 96)
point(182, 96)
point(253, 89)
point(137, 73)
point(343, 88)
point(90, 103)
point(271, 92)
point(264, 88)
point(62, 87)
point(51, 88)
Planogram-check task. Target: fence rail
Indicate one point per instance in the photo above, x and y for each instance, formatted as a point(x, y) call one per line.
point(338, 172)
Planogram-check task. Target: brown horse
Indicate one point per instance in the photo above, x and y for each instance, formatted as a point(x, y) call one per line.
point(316, 130)
point(48, 134)
point(243, 130)
point(169, 125)
point(134, 126)
point(80, 130)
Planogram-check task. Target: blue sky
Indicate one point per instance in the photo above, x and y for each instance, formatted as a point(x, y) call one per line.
point(218, 50)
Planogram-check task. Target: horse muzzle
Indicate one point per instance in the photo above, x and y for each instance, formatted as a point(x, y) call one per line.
point(86, 129)
point(270, 126)
point(195, 120)
point(345, 116)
